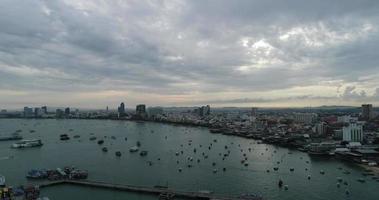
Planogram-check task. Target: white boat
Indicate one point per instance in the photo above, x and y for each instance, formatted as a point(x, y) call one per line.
point(27, 144)
point(134, 149)
point(2, 181)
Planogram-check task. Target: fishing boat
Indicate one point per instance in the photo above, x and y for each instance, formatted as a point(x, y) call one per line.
point(27, 143)
point(14, 136)
point(2, 181)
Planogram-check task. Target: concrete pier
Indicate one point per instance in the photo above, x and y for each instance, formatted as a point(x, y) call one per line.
point(140, 189)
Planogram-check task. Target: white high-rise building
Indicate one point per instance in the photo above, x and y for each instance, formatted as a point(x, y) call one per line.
point(352, 133)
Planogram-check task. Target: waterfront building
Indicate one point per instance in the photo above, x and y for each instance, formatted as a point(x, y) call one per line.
point(306, 118)
point(121, 109)
point(141, 111)
point(67, 112)
point(367, 112)
point(203, 111)
point(44, 109)
point(352, 133)
point(28, 112)
point(59, 113)
point(38, 112)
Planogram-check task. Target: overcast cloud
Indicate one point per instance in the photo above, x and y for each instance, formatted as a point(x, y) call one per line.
point(226, 53)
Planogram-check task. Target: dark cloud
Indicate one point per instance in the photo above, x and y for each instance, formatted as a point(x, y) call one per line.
point(191, 47)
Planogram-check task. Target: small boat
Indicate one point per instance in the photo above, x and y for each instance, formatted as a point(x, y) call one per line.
point(27, 144)
point(143, 153)
point(292, 169)
point(286, 187)
point(280, 183)
point(100, 142)
point(138, 143)
point(92, 138)
point(276, 168)
point(76, 136)
point(64, 137)
point(214, 170)
point(322, 172)
point(2, 181)
point(118, 153)
point(104, 149)
point(309, 177)
point(361, 180)
point(133, 149)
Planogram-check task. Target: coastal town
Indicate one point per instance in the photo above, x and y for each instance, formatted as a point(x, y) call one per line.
point(346, 133)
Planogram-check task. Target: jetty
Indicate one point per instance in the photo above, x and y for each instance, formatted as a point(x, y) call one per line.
point(159, 191)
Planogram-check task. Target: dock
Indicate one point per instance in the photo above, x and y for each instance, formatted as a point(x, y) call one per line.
point(159, 191)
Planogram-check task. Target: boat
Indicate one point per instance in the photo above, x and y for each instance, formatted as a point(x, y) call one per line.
point(2, 181)
point(100, 142)
point(64, 137)
point(138, 143)
point(27, 143)
point(104, 149)
point(133, 149)
point(361, 180)
point(14, 136)
point(143, 153)
point(118, 153)
point(92, 138)
point(76, 136)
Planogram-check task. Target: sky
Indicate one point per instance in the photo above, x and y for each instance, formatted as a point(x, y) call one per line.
point(261, 53)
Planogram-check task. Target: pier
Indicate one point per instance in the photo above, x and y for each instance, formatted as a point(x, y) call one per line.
point(159, 191)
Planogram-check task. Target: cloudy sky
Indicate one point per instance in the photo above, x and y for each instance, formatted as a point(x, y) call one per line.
point(225, 53)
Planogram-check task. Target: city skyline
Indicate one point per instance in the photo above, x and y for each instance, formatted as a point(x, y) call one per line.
point(92, 54)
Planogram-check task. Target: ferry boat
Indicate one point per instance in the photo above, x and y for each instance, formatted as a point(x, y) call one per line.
point(14, 136)
point(27, 143)
point(2, 181)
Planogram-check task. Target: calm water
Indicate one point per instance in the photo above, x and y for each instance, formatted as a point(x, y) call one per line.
point(162, 141)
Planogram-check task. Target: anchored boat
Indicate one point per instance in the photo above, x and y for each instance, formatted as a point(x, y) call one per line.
point(27, 144)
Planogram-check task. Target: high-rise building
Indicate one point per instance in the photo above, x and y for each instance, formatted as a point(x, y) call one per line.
point(67, 112)
point(44, 109)
point(59, 113)
point(121, 109)
point(321, 128)
point(28, 112)
point(367, 112)
point(38, 112)
point(352, 133)
point(141, 109)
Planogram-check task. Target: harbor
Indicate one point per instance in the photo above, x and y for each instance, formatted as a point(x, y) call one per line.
point(181, 158)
